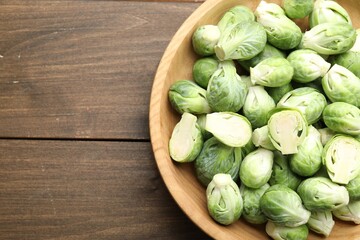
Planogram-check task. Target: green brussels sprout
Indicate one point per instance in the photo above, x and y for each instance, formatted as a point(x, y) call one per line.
point(235, 15)
point(231, 129)
point(258, 104)
point(186, 140)
point(256, 168)
point(278, 92)
point(283, 206)
point(201, 121)
point(298, 8)
point(326, 11)
point(353, 188)
point(342, 117)
point(341, 85)
point(341, 156)
point(226, 91)
point(308, 65)
point(269, 51)
point(321, 222)
point(350, 212)
point(216, 157)
point(260, 138)
point(251, 198)
point(241, 41)
point(205, 38)
point(224, 201)
point(307, 161)
point(203, 69)
point(272, 72)
point(281, 31)
point(278, 232)
point(325, 135)
point(282, 174)
point(321, 194)
point(308, 101)
point(287, 129)
point(349, 60)
point(187, 96)
point(329, 38)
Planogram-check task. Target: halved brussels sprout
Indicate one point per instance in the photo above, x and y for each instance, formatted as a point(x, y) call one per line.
point(203, 69)
point(325, 135)
point(342, 117)
point(187, 96)
point(329, 38)
point(278, 232)
point(258, 104)
point(287, 129)
point(341, 85)
point(321, 222)
point(256, 168)
point(283, 206)
point(281, 31)
point(278, 92)
point(205, 38)
point(308, 65)
point(298, 8)
point(321, 194)
point(260, 138)
point(308, 101)
point(353, 188)
point(235, 15)
point(226, 91)
point(231, 129)
point(272, 72)
point(186, 140)
point(241, 41)
point(216, 157)
point(251, 198)
point(224, 200)
point(341, 156)
point(350, 212)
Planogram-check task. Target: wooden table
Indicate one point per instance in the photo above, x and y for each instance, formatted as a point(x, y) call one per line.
point(75, 154)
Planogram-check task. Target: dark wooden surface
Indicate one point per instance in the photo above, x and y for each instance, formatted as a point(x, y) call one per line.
point(75, 156)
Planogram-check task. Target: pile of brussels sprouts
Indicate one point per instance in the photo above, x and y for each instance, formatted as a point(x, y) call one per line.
point(271, 119)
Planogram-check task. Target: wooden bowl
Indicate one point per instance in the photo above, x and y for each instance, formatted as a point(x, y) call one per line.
point(180, 179)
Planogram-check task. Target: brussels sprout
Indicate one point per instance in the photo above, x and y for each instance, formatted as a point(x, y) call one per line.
point(307, 161)
point(321, 222)
point(321, 194)
point(349, 60)
point(308, 101)
point(298, 8)
point(203, 69)
point(260, 138)
point(186, 96)
point(281, 31)
point(256, 168)
point(235, 15)
point(226, 91)
point(201, 121)
point(326, 11)
point(308, 65)
point(282, 174)
point(205, 38)
point(277, 232)
point(325, 135)
point(224, 201)
point(350, 212)
point(341, 85)
point(283, 206)
point(278, 92)
point(356, 47)
point(287, 129)
point(353, 188)
point(186, 140)
point(251, 197)
point(341, 156)
point(269, 51)
point(329, 38)
point(231, 129)
point(272, 72)
point(342, 117)
point(241, 41)
point(216, 157)
point(258, 104)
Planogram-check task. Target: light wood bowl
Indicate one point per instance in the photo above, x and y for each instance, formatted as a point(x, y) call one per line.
point(180, 179)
